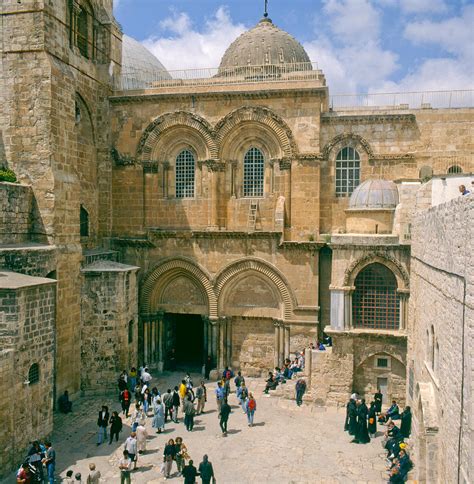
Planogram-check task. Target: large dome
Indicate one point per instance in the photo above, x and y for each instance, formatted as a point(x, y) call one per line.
point(265, 44)
point(140, 68)
point(374, 194)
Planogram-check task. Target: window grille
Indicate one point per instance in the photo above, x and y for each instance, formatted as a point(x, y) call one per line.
point(185, 168)
point(254, 169)
point(347, 171)
point(33, 374)
point(382, 363)
point(375, 302)
point(454, 169)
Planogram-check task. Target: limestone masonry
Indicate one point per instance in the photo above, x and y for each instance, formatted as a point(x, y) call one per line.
point(239, 217)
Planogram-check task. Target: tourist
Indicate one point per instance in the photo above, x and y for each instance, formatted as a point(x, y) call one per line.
point(220, 395)
point(24, 476)
point(138, 417)
point(131, 448)
point(69, 477)
point(169, 454)
point(208, 367)
point(300, 388)
point(168, 403)
point(64, 405)
point(463, 190)
point(146, 400)
point(188, 380)
point(181, 454)
point(190, 473)
point(94, 475)
point(404, 463)
point(132, 379)
point(224, 416)
point(242, 395)
point(35, 457)
point(378, 399)
point(251, 408)
point(138, 393)
point(206, 470)
point(238, 380)
point(372, 427)
point(392, 413)
point(125, 466)
point(176, 402)
point(158, 415)
point(122, 382)
point(271, 383)
point(50, 461)
point(115, 426)
point(201, 395)
point(327, 340)
point(77, 477)
point(142, 435)
point(362, 434)
point(395, 476)
point(125, 400)
point(146, 377)
point(189, 412)
point(405, 425)
point(102, 423)
point(182, 392)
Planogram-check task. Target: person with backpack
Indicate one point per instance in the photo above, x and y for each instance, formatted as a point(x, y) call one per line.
point(125, 399)
point(168, 403)
point(238, 380)
point(251, 407)
point(242, 395)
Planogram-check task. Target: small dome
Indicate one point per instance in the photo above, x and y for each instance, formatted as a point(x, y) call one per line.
point(374, 194)
point(140, 68)
point(265, 44)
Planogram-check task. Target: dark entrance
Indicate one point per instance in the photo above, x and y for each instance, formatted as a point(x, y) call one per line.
point(187, 337)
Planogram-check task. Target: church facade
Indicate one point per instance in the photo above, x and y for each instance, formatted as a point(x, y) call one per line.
point(236, 217)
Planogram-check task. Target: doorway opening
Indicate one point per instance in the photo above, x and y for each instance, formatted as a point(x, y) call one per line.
point(382, 384)
point(187, 338)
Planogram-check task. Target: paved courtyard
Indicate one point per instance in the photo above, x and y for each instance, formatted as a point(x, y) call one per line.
point(287, 444)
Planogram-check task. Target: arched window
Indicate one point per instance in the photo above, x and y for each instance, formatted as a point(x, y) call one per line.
point(83, 31)
point(375, 302)
point(254, 170)
point(454, 169)
point(84, 222)
point(185, 169)
point(33, 374)
point(347, 171)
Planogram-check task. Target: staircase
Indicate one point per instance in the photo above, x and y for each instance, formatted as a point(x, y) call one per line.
point(252, 217)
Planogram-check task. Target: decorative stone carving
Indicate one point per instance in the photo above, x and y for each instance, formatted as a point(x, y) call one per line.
point(261, 115)
point(214, 165)
point(347, 137)
point(182, 291)
point(121, 160)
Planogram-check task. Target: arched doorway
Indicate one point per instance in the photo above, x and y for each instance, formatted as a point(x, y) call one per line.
point(376, 302)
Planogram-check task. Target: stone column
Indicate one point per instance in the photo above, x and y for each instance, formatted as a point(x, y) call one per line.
point(229, 341)
point(276, 351)
point(348, 308)
point(282, 345)
point(404, 294)
point(214, 167)
point(287, 341)
point(207, 342)
point(161, 341)
point(145, 341)
point(222, 353)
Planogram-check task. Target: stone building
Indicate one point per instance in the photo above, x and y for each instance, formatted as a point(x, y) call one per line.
point(235, 216)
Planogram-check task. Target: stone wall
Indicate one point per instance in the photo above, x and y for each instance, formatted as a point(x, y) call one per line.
point(441, 332)
point(15, 213)
point(27, 320)
point(109, 322)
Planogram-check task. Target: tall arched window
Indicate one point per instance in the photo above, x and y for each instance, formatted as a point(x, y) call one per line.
point(84, 222)
point(254, 170)
point(375, 302)
point(33, 374)
point(185, 169)
point(347, 171)
point(83, 31)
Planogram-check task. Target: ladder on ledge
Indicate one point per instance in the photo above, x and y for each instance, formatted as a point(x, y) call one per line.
point(252, 218)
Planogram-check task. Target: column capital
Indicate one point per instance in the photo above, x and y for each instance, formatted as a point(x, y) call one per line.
point(278, 323)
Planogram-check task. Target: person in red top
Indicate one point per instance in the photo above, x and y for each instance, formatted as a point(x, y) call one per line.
point(23, 476)
point(125, 397)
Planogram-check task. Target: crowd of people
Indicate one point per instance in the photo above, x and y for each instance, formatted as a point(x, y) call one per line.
point(361, 423)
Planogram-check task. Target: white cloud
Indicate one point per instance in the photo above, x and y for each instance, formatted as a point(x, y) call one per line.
point(188, 47)
point(423, 6)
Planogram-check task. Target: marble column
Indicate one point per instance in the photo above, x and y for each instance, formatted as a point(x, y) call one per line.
point(287, 341)
point(229, 342)
point(276, 351)
point(222, 344)
point(403, 301)
point(214, 340)
point(207, 342)
point(281, 357)
point(160, 338)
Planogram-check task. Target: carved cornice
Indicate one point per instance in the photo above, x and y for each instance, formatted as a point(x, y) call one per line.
point(150, 166)
point(132, 242)
point(334, 118)
point(214, 165)
point(389, 159)
point(345, 137)
point(120, 159)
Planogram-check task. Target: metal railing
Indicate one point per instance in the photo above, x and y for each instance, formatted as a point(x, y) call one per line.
point(404, 100)
point(151, 79)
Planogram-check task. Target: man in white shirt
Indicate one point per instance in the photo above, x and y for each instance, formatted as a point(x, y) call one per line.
point(125, 465)
point(146, 377)
point(131, 448)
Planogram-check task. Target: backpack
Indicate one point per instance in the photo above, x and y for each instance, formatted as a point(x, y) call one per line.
point(252, 405)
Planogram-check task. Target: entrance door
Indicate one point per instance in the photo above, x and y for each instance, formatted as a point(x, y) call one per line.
point(382, 383)
point(187, 338)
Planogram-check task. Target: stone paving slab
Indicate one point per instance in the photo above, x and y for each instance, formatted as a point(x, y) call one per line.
point(288, 444)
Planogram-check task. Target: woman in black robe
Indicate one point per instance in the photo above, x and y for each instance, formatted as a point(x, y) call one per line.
point(346, 422)
point(378, 398)
point(405, 426)
point(372, 427)
point(352, 409)
point(362, 435)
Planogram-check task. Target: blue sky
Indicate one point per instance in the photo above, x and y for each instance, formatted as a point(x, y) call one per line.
point(361, 45)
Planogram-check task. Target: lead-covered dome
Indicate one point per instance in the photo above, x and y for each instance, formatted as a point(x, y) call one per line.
point(374, 194)
point(140, 68)
point(265, 44)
